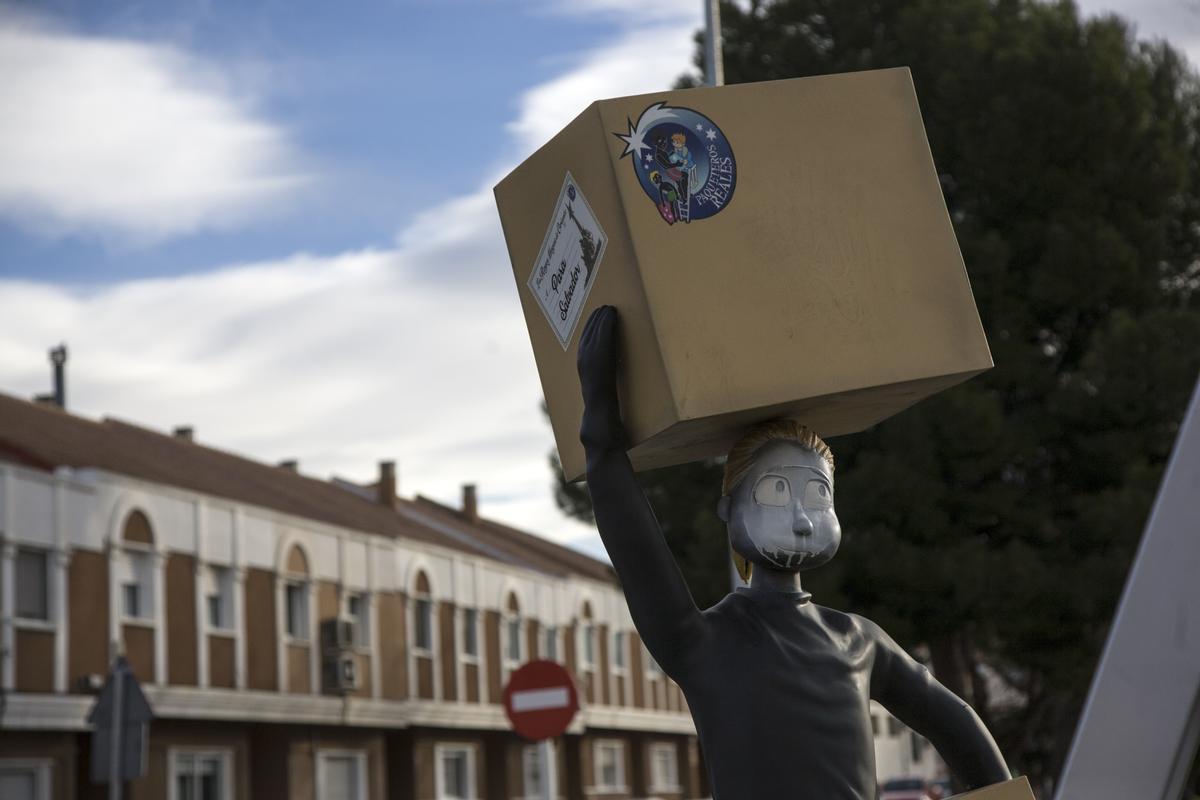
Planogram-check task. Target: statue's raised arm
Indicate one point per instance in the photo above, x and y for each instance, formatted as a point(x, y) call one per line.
point(662, 607)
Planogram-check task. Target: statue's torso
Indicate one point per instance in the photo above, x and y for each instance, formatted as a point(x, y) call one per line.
point(780, 693)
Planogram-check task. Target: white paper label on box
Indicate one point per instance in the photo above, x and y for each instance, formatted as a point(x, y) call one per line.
point(567, 263)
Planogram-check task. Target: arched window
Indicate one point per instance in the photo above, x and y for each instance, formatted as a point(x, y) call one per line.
point(425, 682)
point(422, 616)
point(587, 639)
point(296, 594)
point(135, 568)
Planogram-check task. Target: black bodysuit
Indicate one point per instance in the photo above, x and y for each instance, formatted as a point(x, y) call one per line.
point(779, 688)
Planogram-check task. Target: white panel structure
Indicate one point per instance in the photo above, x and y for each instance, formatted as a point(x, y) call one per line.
point(443, 577)
point(257, 542)
point(175, 524)
point(1137, 734)
point(33, 509)
point(323, 555)
point(355, 568)
point(218, 546)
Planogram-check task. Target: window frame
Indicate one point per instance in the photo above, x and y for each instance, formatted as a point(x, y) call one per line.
point(362, 620)
point(418, 649)
point(440, 751)
point(531, 756)
point(587, 645)
point(360, 768)
point(548, 643)
point(304, 587)
point(137, 560)
point(657, 784)
point(469, 621)
point(622, 783)
point(223, 755)
point(220, 577)
point(42, 769)
point(47, 594)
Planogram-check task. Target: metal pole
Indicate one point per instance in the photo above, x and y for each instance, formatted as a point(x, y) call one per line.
point(114, 739)
point(714, 70)
point(549, 769)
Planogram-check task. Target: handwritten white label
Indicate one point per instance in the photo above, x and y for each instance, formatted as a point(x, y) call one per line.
point(566, 265)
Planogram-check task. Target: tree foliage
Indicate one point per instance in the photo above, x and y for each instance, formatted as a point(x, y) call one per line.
point(995, 523)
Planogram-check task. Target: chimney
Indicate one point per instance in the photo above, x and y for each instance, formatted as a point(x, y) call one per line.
point(470, 505)
point(58, 357)
point(386, 488)
point(291, 465)
point(185, 432)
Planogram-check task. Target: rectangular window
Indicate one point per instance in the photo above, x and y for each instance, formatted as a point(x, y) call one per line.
point(512, 642)
point(26, 778)
point(589, 645)
point(619, 650)
point(609, 765)
point(135, 576)
point(33, 594)
point(895, 727)
point(550, 644)
point(342, 776)
point(455, 772)
point(199, 775)
point(131, 595)
point(470, 633)
point(664, 768)
point(423, 635)
point(297, 611)
point(531, 764)
point(356, 611)
point(218, 597)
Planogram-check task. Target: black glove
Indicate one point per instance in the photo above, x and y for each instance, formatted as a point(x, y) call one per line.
point(597, 363)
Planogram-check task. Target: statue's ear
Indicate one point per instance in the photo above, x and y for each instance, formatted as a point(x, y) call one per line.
point(723, 508)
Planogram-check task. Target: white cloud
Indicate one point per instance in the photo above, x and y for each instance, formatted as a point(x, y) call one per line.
point(117, 137)
point(416, 353)
point(646, 60)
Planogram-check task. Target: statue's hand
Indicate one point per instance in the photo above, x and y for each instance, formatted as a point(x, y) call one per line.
point(597, 364)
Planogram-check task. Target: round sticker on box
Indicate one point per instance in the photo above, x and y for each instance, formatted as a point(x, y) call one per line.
point(683, 162)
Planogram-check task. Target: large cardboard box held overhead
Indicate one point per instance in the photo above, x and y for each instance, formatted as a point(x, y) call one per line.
point(773, 249)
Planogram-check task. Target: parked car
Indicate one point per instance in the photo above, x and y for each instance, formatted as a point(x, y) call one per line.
point(904, 789)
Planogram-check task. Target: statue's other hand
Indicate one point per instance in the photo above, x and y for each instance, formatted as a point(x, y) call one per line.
point(597, 364)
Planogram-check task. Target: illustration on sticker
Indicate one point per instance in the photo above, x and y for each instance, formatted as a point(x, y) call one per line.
point(567, 262)
point(682, 160)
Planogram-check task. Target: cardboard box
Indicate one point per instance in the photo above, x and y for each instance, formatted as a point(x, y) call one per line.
point(1016, 789)
point(793, 258)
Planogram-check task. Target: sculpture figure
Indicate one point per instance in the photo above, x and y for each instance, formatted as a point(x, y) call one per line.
point(778, 686)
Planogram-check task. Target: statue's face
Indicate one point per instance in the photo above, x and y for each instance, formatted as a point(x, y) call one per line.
point(781, 515)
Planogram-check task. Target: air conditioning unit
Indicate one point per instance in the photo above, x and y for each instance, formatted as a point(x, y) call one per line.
point(347, 673)
point(339, 634)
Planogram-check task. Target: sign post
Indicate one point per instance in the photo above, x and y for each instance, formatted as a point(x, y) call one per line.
point(540, 701)
point(119, 717)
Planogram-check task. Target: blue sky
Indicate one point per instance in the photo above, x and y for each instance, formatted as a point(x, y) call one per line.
point(273, 220)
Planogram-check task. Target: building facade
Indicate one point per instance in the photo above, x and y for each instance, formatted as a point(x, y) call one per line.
point(300, 638)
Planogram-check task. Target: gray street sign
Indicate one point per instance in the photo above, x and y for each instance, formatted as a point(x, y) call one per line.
point(120, 718)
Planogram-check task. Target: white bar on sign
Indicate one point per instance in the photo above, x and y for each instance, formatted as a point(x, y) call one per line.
point(538, 699)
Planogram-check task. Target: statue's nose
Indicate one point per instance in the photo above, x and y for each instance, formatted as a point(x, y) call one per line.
point(801, 524)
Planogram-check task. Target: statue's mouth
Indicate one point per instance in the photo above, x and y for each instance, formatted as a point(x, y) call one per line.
point(786, 559)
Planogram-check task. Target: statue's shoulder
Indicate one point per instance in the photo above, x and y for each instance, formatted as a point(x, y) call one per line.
point(849, 624)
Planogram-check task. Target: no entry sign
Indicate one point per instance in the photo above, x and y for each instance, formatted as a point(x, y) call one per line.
point(540, 700)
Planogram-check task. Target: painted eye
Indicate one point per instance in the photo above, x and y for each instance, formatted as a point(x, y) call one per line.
point(772, 490)
point(817, 495)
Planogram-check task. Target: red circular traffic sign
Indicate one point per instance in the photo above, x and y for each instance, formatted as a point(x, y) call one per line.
point(540, 700)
